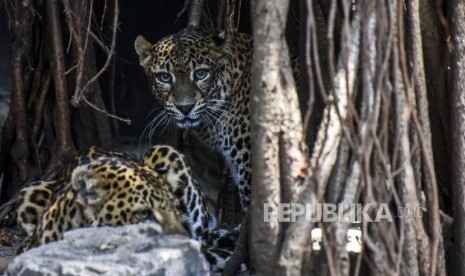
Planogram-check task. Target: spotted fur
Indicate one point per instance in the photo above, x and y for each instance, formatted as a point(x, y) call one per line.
point(168, 162)
point(108, 191)
point(217, 243)
point(36, 196)
point(31, 202)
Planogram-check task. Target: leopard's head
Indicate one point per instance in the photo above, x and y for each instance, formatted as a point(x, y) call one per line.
point(190, 76)
point(112, 191)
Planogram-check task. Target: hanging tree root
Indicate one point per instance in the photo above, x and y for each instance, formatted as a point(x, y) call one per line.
point(22, 45)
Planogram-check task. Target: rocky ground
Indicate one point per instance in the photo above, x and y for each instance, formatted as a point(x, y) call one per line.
point(128, 250)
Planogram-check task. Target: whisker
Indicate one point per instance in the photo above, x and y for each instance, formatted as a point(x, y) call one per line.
point(149, 126)
point(222, 113)
point(219, 121)
point(203, 119)
point(219, 100)
point(209, 121)
point(168, 122)
point(161, 121)
point(216, 115)
point(153, 110)
point(232, 116)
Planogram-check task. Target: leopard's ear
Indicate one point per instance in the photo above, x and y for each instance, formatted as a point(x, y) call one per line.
point(144, 50)
point(86, 186)
point(220, 38)
point(223, 41)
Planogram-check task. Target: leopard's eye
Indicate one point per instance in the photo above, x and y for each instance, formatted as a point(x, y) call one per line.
point(146, 215)
point(164, 77)
point(161, 168)
point(201, 74)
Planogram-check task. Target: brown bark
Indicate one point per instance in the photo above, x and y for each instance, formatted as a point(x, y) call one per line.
point(409, 264)
point(292, 151)
point(22, 45)
point(409, 194)
point(265, 128)
point(457, 122)
point(436, 58)
point(65, 145)
point(422, 124)
point(38, 116)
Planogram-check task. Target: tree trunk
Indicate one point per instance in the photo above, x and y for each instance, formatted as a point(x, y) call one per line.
point(457, 122)
point(266, 96)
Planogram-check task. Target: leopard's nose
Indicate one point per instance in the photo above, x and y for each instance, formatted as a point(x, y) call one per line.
point(186, 108)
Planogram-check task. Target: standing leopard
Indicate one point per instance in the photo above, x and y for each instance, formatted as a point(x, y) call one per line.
point(202, 80)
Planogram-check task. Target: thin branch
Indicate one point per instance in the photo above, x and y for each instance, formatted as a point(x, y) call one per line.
point(38, 114)
point(183, 10)
point(127, 121)
point(110, 54)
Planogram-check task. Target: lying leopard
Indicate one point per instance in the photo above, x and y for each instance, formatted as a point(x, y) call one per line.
point(36, 196)
point(108, 191)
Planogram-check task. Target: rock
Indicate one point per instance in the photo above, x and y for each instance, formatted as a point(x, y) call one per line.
point(127, 250)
